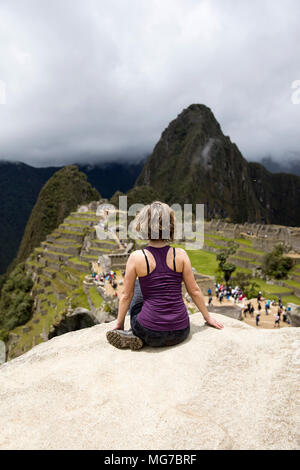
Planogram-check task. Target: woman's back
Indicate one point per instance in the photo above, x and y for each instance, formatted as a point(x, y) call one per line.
point(163, 319)
point(163, 307)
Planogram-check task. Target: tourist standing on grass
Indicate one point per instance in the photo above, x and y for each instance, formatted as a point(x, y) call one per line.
point(158, 314)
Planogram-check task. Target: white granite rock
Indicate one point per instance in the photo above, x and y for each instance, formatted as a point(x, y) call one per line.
point(229, 389)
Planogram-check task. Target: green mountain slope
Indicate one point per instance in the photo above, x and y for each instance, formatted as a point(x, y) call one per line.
point(278, 192)
point(20, 185)
point(61, 194)
point(194, 162)
point(58, 268)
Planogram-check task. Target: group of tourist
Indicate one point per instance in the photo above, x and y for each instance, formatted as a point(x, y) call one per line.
point(101, 223)
point(236, 293)
point(109, 276)
point(223, 291)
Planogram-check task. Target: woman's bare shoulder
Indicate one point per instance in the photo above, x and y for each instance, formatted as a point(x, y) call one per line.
point(181, 252)
point(136, 254)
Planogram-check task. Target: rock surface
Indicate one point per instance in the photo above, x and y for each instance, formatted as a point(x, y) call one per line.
point(76, 320)
point(294, 315)
point(229, 389)
point(232, 311)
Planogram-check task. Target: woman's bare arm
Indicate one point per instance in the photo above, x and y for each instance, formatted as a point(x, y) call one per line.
point(195, 291)
point(127, 292)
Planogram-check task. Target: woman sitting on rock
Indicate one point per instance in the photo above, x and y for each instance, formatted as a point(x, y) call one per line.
point(157, 312)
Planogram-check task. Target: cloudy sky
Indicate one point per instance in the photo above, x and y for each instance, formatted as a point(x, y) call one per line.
point(96, 79)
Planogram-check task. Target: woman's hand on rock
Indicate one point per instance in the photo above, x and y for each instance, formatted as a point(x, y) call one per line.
point(216, 324)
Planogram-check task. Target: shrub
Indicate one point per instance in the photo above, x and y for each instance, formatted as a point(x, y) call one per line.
point(4, 335)
point(251, 290)
point(224, 266)
point(275, 264)
point(242, 280)
point(16, 302)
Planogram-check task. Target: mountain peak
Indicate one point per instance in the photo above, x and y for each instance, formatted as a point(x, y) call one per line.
point(194, 162)
point(197, 115)
point(197, 107)
point(62, 193)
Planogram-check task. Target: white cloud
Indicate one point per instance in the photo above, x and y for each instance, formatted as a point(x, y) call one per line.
point(87, 78)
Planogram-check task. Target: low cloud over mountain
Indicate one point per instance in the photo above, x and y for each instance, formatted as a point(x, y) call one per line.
point(93, 80)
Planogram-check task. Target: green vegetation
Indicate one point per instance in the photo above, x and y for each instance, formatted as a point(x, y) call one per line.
point(79, 261)
point(70, 232)
point(224, 266)
point(291, 299)
point(212, 244)
point(57, 284)
point(243, 241)
point(275, 264)
point(206, 263)
point(61, 194)
point(252, 289)
point(79, 299)
point(203, 261)
point(178, 172)
point(248, 249)
point(271, 289)
point(3, 279)
point(20, 185)
point(243, 258)
point(292, 283)
point(16, 302)
point(242, 280)
point(62, 276)
point(109, 242)
point(139, 194)
point(220, 237)
point(96, 298)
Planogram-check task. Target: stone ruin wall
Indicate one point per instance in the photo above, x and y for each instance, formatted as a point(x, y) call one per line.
point(263, 237)
point(289, 236)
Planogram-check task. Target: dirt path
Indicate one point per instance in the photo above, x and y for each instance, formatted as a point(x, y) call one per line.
point(266, 321)
point(108, 288)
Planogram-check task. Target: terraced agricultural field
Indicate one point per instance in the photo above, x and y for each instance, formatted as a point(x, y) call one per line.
point(58, 267)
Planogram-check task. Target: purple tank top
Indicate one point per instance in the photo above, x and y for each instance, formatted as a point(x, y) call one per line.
point(163, 308)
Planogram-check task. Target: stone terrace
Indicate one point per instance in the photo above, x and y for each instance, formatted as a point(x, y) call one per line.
point(58, 268)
